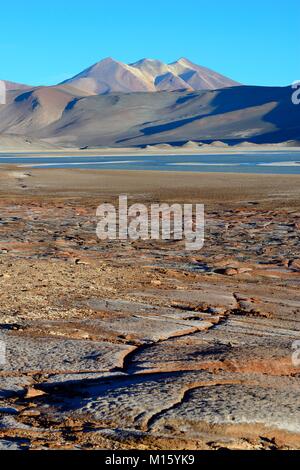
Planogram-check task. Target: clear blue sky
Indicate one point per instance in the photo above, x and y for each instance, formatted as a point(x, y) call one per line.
point(254, 42)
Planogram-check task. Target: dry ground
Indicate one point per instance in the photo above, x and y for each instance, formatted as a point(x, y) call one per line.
point(119, 345)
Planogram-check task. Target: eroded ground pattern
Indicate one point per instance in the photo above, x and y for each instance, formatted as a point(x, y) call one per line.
point(144, 345)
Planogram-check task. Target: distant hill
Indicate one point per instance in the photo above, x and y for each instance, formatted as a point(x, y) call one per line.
point(14, 86)
point(64, 116)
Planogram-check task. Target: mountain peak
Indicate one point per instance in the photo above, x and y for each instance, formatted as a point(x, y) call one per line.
point(108, 61)
point(148, 75)
point(146, 60)
point(183, 60)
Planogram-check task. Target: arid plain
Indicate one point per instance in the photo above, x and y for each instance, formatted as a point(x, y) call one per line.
point(122, 345)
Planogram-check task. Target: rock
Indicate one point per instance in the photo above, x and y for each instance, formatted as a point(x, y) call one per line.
point(247, 306)
point(231, 272)
point(227, 271)
point(240, 297)
point(9, 410)
point(30, 412)
point(33, 393)
point(81, 262)
point(244, 270)
point(26, 354)
point(14, 444)
point(232, 404)
point(13, 386)
point(5, 276)
point(294, 265)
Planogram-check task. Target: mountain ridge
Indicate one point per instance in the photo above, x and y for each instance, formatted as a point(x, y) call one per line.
point(97, 108)
point(110, 75)
point(145, 75)
point(14, 86)
point(63, 117)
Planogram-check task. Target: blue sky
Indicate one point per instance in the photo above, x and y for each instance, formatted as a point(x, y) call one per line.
point(45, 42)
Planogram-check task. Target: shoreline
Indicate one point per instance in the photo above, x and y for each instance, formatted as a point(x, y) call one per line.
point(213, 188)
point(155, 151)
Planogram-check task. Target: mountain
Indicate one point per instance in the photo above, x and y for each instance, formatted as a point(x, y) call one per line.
point(200, 78)
point(63, 116)
point(190, 76)
point(116, 105)
point(109, 75)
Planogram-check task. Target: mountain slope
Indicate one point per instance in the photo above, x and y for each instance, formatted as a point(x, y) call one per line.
point(170, 82)
point(9, 86)
point(109, 75)
point(234, 115)
point(200, 78)
point(14, 86)
point(29, 111)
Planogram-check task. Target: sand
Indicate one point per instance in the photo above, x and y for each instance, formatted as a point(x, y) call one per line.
point(208, 187)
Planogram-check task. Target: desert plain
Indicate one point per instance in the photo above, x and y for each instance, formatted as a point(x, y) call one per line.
point(144, 345)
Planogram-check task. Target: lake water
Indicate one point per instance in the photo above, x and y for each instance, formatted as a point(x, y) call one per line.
point(254, 162)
